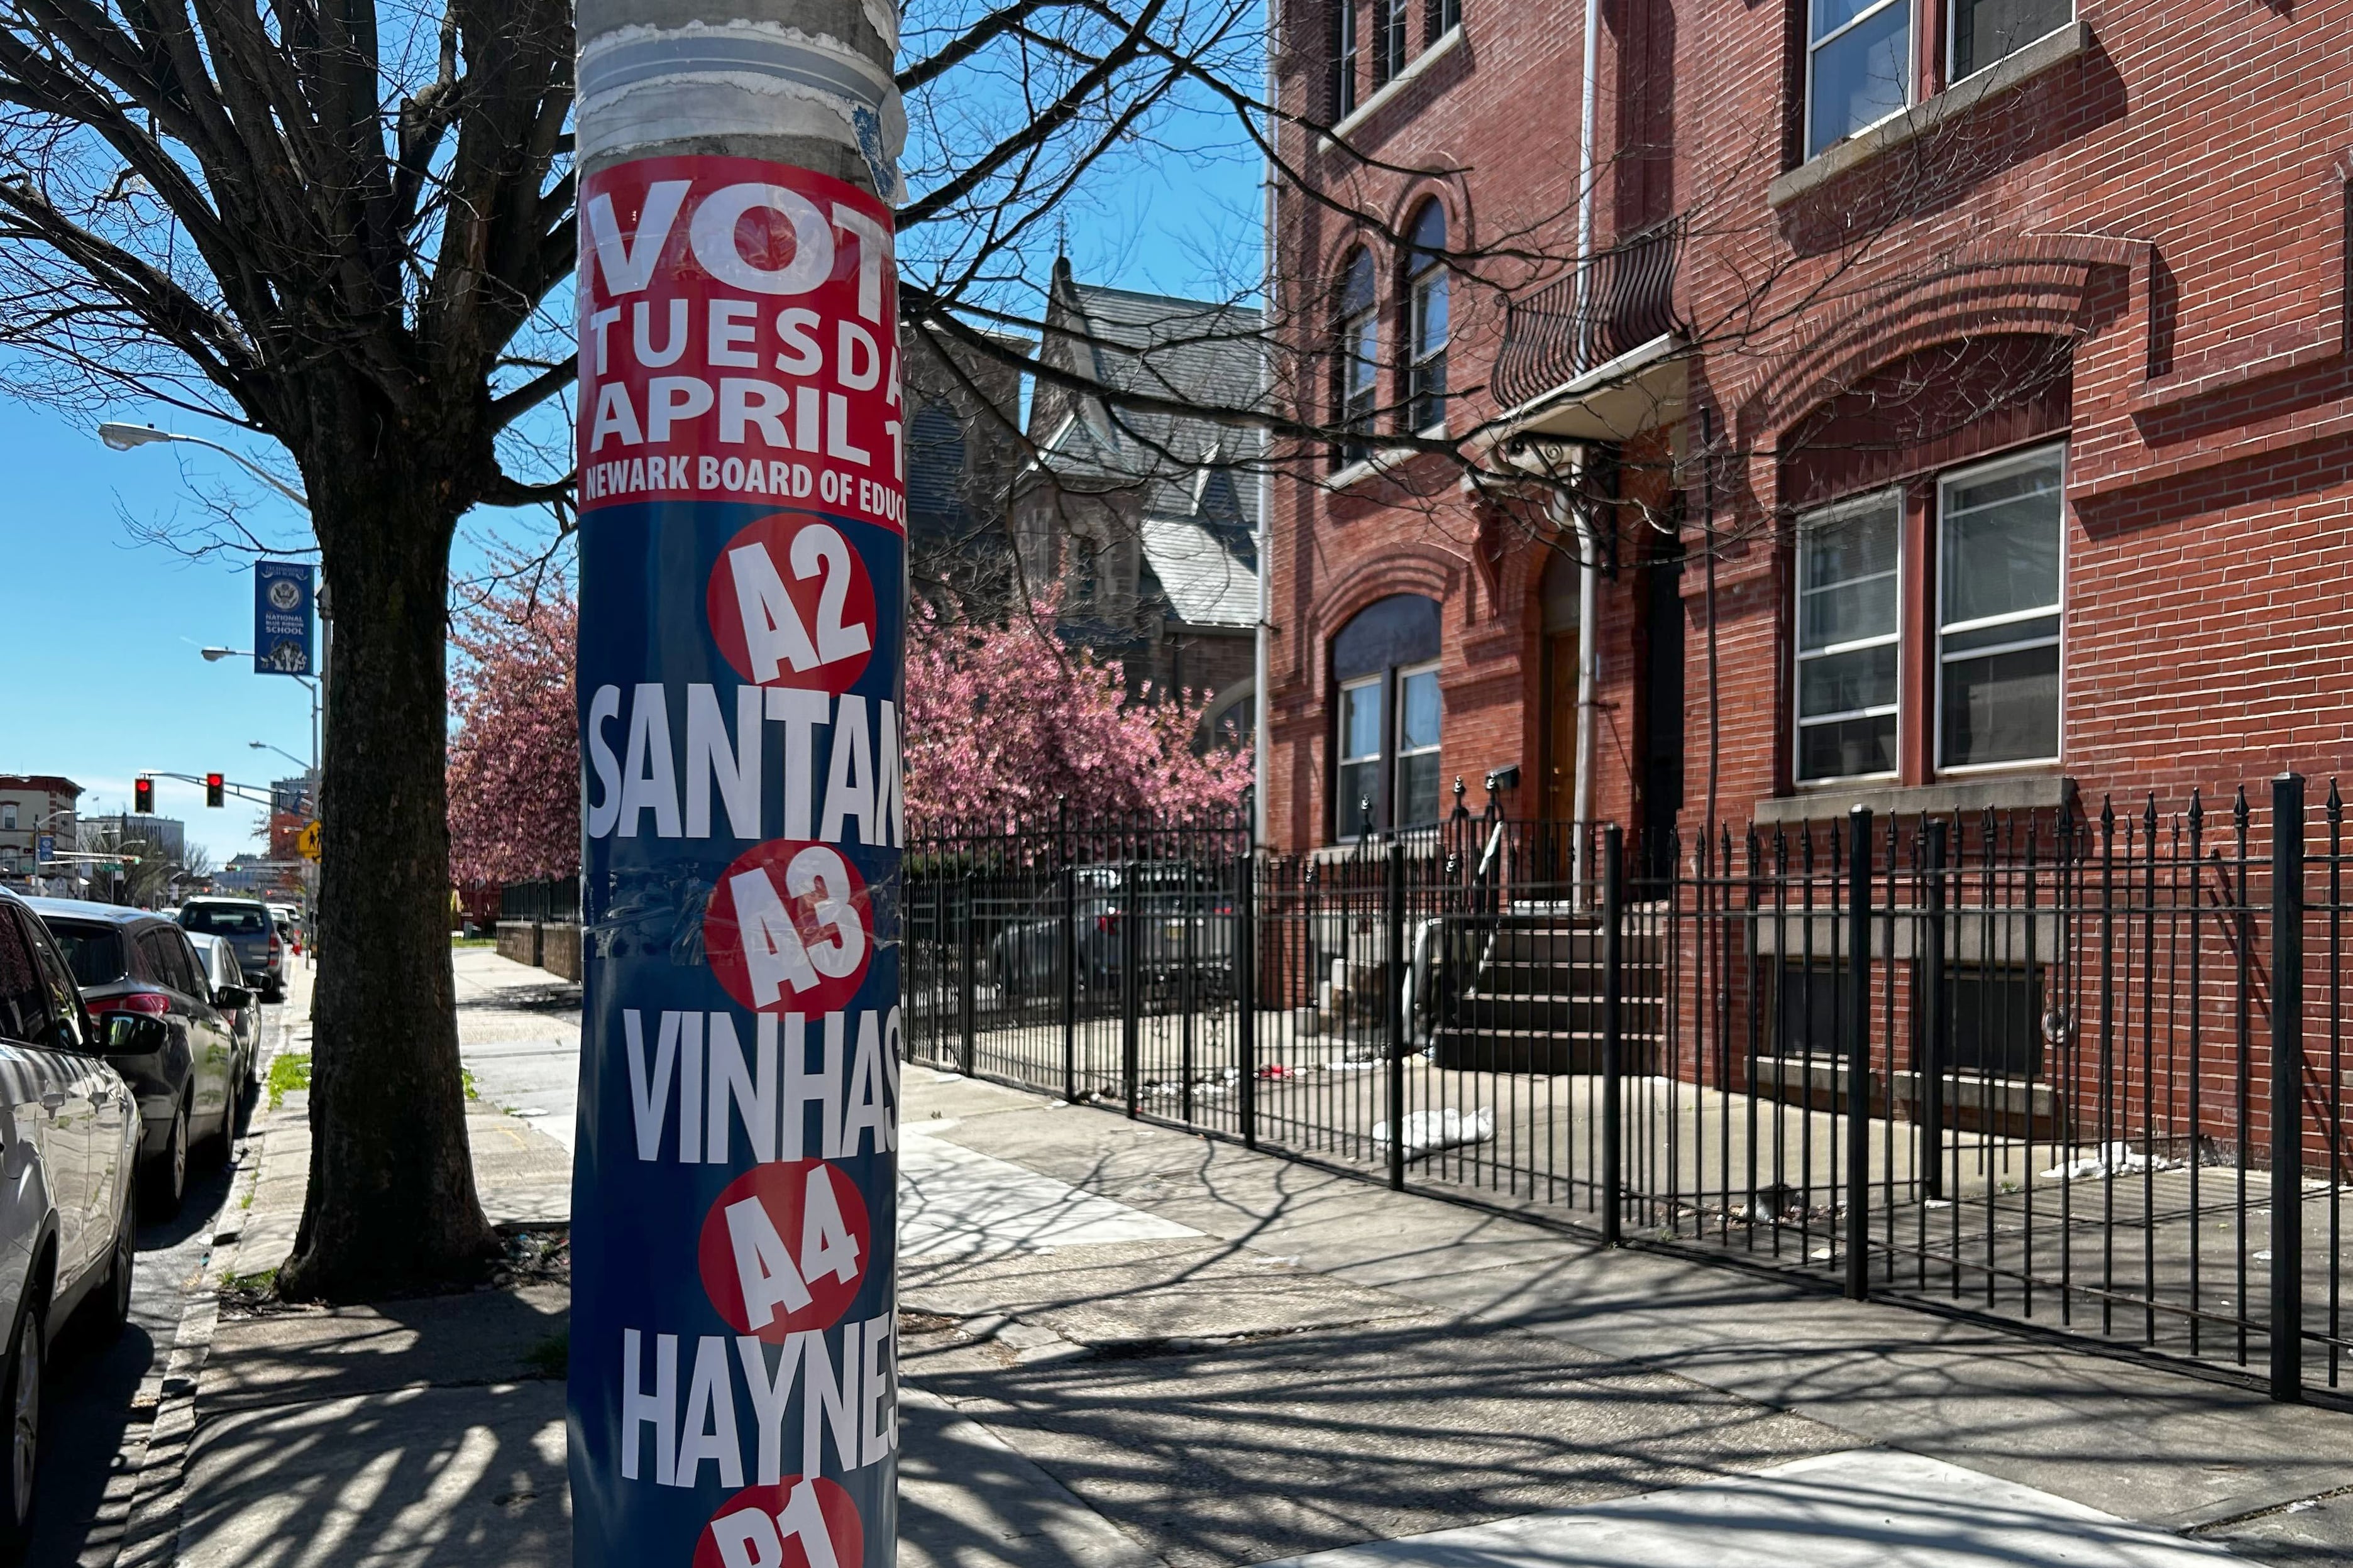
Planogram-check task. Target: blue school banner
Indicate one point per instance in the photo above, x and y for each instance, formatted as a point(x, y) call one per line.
point(282, 592)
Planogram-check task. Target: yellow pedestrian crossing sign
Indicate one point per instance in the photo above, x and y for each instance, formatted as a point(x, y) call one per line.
point(307, 846)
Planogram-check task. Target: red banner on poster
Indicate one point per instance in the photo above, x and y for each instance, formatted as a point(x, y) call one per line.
point(739, 340)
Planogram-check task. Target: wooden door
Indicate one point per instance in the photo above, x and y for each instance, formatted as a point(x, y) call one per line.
point(1560, 726)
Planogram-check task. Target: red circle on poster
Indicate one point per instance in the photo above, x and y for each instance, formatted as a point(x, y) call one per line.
point(790, 603)
point(790, 928)
point(785, 1248)
point(769, 1527)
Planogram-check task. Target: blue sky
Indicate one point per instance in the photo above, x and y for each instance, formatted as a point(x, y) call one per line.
point(103, 678)
point(98, 644)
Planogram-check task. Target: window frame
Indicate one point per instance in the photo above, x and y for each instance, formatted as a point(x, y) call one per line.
point(1398, 753)
point(2023, 457)
point(1392, 40)
point(1376, 807)
point(1951, 62)
point(1341, 44)
point(1356, 346)
point(1425, 275)
point(1813, 48)
point(1891, 496)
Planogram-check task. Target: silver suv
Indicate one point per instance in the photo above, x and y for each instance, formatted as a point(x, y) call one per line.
point(65, 1172)
point(247, 925)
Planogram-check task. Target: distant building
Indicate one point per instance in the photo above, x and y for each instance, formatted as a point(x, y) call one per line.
point(255, 877)
point(124, 831)
point(291, 793)
point(1148, 519)
point(963, 451)
point(289, 813)
point(36, 810)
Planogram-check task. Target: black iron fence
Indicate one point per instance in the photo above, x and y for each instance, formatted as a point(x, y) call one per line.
point(2085, 1071)
point(553, 901)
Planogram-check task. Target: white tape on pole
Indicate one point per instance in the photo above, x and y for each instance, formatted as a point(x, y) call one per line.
point(642, 86)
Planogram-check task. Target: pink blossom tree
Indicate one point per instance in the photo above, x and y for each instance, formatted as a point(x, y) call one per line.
point(1000, 721)
point(514, 758)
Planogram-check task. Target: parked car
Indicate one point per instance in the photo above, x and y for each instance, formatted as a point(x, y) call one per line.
point(1181, 908)
point(66, 1168)
point(289, 926)
point(223, 974)
point(187, 1074)
point(247, 923)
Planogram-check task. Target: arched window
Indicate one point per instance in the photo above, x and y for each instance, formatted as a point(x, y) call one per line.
point(1424, 272)
point(1355, 359)
point(1386, 717)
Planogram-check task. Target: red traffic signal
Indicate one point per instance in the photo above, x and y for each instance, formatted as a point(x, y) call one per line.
point(142, 795)
point(214, 789)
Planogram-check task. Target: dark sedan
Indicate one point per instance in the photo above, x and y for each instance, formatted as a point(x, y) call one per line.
point(131, 960)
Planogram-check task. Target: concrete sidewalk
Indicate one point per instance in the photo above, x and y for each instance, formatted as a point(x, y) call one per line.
point(1325, 1363)
point(1127, 1346)
point(424, 1431)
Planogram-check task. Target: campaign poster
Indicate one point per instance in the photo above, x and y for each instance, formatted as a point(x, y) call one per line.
point(733, 1399)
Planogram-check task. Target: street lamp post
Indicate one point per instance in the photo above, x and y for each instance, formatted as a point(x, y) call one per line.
point(123, 437)
point(213, 655)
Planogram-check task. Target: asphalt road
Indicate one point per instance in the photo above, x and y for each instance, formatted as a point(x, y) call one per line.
point(93, 1432)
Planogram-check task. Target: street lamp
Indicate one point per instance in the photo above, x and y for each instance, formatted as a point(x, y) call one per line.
point(123, 437)
point(265, 746)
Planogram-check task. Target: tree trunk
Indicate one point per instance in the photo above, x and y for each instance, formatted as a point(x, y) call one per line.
point(391, 1204)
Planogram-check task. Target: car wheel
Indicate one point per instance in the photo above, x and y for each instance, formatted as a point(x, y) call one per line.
point(167, 1176)
point(20, 1404)
point(116, 1299)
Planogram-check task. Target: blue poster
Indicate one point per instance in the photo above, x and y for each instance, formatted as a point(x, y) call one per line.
point(281, 617)
point(733, 1398)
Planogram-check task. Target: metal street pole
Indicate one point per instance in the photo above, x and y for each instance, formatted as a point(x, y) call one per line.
point(734, 1392)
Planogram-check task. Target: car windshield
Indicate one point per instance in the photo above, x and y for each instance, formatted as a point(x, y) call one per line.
point(225, 920)
point(94, 953)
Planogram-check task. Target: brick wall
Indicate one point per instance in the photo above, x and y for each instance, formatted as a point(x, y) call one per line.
point(2163, 209)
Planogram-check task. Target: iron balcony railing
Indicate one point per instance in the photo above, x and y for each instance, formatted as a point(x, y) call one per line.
point(1554, 334)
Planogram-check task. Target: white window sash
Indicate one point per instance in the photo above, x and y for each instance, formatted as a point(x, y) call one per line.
point(1975, 473)
point(1815, 45)
point(1810, 525)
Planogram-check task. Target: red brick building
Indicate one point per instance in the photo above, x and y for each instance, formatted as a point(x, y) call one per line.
point(1983, 364)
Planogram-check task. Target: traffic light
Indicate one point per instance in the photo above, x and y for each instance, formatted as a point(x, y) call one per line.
point(142, 796)
point(215, 788)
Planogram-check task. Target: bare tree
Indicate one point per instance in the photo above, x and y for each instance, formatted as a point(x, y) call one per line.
point(335, 225)
point(346, 225)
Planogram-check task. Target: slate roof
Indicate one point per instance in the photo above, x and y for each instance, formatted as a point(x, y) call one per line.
point(1206, 583)
point(1160, 346)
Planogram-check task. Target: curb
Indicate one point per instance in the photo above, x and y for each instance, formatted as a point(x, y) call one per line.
point(156, 1475)
point(151, 1534)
